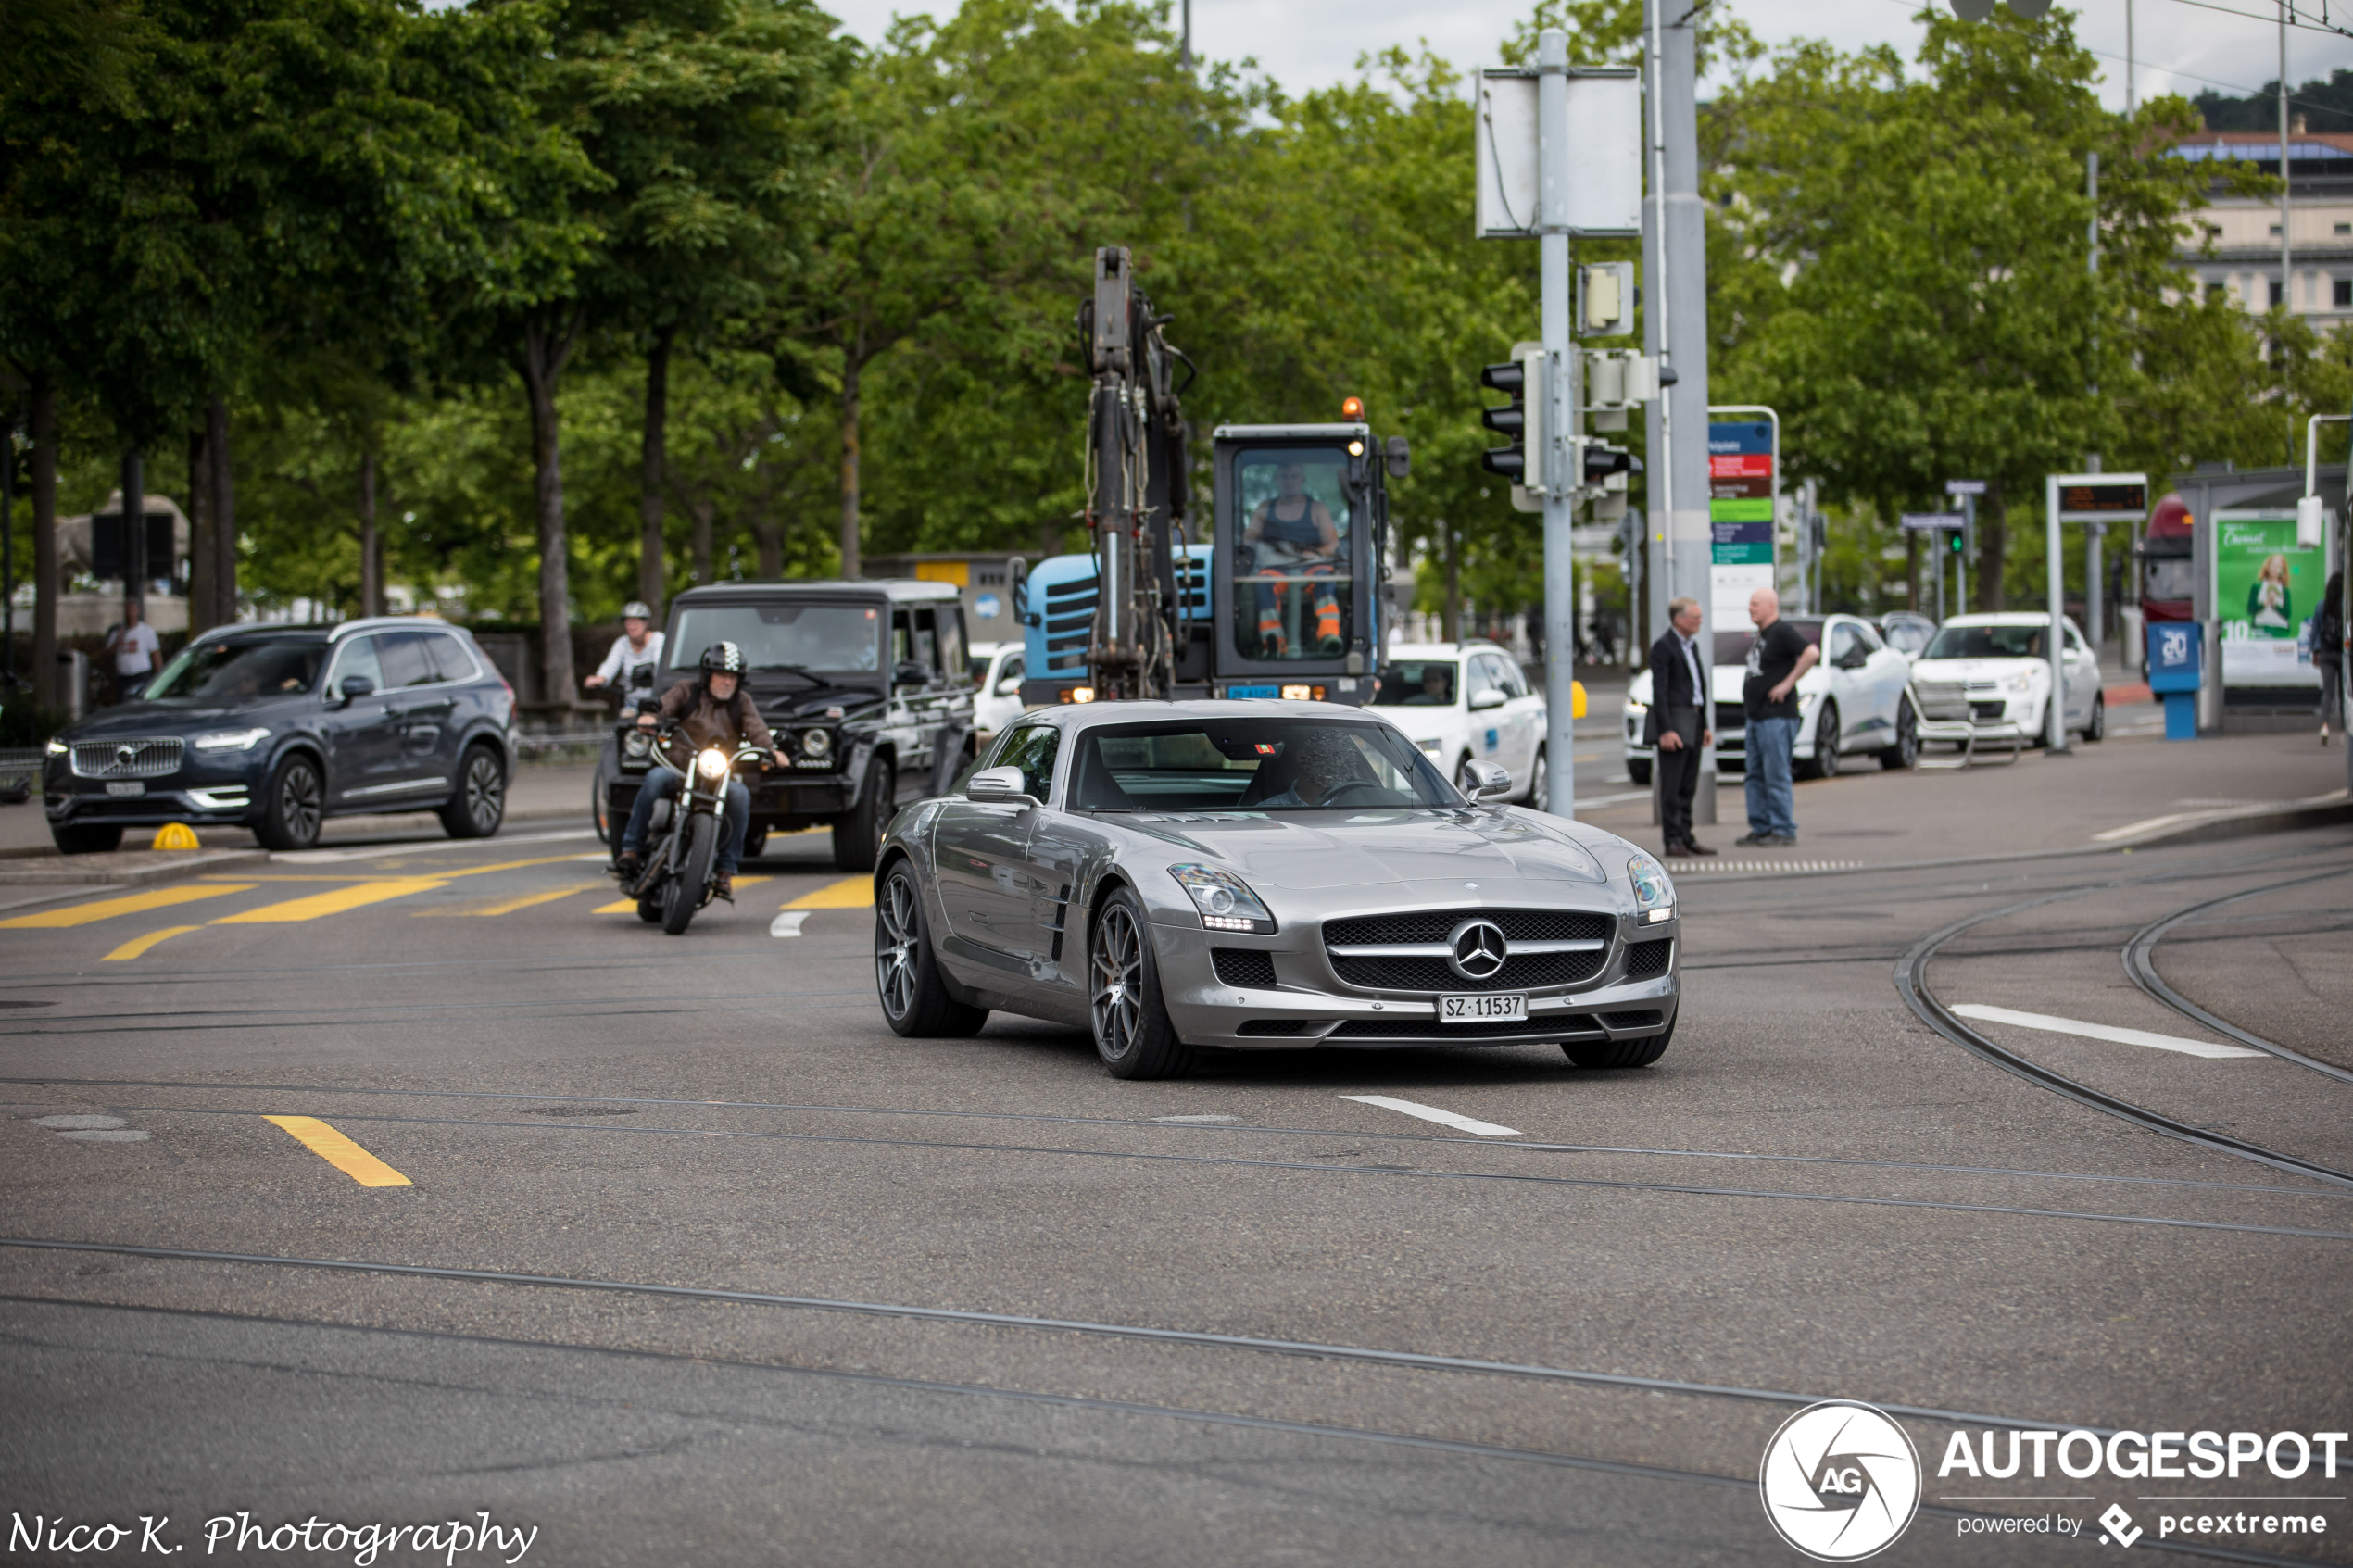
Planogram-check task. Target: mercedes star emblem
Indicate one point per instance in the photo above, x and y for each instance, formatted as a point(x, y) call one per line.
point(1476, 950)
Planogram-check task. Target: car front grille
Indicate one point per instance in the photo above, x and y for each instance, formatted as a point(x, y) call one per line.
point(1648, 960)
point(1273, 1028)
point(1730, 716)
point(1645, 1018)
point(149, 759)
point(1570, 946)
point(1244, 967)
point(1986, 710)
point(1548, 1026)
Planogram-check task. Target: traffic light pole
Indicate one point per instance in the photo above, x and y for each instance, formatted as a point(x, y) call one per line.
point(1563, 456)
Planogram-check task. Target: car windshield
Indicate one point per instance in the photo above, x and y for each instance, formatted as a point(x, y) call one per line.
point(1250, 764)
point(1908, 637)
point(1987, 642)
point(243, 671)
point(782, 637)
point(1732, 647)
point(1418, 682)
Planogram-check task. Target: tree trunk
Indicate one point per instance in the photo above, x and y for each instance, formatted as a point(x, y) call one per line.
point(135, 569)
point(852, 364)
point(201, 551)
point(544, 354)
point(1911, 568)
point(1992, 548)
point(224, 512)
point(372, 587)
point(701, 542)
point(44, 540)
point(652, 466)
point(1451, 629)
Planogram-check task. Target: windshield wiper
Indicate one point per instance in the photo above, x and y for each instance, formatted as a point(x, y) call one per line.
point(810, 676)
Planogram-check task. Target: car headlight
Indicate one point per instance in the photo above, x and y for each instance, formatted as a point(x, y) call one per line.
point(816, 743)
point(231, 740)
point(1654, 893)
point(2021, 682)
point(57, 748)
point(711, 762)
point(1429, 745)
point(1225, 900)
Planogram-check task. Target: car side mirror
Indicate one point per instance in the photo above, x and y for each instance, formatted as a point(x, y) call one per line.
point(1008, 687)
point(1853, 659)
point(1488, 697)
point(356, 686)
point(1480, 780)
point(908, 673)
point(999, 786)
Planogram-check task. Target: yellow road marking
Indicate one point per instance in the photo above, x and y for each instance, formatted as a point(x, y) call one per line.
point(356, 876)
point(341, 1152)
point(334, 903)
point(629, 906)
point(107, 908)
point(139, 945)
point(504, 866)
point(850, 893)
point(508, 906)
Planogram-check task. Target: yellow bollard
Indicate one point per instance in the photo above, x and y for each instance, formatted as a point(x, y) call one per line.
point(1577, 699)
point(176, 835)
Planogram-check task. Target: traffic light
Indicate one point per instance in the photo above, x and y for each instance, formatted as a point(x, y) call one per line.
point(1959, 544)
point(1608, 469)
point(1521, 378)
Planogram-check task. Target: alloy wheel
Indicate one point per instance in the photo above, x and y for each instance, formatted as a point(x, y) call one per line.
point(1118, 965)
point(299, 802)
point(895, 932)
point(485, 788)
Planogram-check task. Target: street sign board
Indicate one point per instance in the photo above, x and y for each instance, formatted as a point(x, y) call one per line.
point(2102, 498)
point(1927, 522)
point(1741, 464)
point(1603, 191)
point(1965, 487)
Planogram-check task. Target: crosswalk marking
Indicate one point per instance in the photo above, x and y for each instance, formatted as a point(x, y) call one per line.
point(132, 904)
point(850, 893)
point(335, 903)
point(508, 906)
point(340, 1151)
point(139, 945)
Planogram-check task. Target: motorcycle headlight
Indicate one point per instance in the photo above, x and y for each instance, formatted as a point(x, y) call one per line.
point(229, 740)
point(816, 743)
point(711, 762)
point(1224, 899)
point(636, 744)
point(1654, 893)
point(57, 746)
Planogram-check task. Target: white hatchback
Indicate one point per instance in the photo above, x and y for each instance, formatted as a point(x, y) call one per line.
point(1463, 700)
point(2001, 662)
point(997, 677)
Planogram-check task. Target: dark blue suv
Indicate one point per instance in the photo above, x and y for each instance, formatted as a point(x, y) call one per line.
point(277, 728)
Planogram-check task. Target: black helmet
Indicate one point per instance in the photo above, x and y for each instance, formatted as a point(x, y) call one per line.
point(722, 659)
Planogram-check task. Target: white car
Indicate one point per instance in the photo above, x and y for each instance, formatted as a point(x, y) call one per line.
point(996, 676)
point(1854, 692)
point(2001, 662)
point(1460, 701)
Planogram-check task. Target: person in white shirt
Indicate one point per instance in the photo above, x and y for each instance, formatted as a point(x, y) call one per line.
point(135, 647)
point(637, 643)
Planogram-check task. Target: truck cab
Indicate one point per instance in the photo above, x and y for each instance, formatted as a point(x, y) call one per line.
point(1284, 599)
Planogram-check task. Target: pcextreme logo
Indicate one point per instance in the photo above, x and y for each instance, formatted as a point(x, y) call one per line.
point(1841, 1481)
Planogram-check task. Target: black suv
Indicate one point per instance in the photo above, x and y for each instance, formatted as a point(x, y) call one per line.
point(864, 684)
point(277, 728)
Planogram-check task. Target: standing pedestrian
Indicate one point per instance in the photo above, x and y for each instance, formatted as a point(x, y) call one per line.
point(1769, 695)
point(1677, 727)
point(2328, 652)
point(135, 649)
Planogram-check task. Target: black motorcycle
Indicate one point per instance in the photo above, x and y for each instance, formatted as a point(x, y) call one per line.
point(680, 873)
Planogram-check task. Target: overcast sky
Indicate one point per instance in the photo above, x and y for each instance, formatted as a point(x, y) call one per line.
point(1303, 43)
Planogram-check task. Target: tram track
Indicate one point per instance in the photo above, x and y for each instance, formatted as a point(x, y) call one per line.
point(2140, 963)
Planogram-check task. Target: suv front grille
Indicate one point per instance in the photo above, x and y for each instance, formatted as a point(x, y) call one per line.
point(148, 758)
point(1522, 970)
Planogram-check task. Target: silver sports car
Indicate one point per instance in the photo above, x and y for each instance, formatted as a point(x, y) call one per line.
point(1263, 876)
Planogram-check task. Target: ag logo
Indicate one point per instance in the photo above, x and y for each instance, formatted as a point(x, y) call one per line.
point(1841, 1481)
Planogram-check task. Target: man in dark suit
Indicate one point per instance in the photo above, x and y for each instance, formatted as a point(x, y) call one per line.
point(1677, 726)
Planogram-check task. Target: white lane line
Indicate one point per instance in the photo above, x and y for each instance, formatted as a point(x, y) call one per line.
point(2101, 1031)
point(788, 923)
point(1196, 1119)
point(1443, 1118)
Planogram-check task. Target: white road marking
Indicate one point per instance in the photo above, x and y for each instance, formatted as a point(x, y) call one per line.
point(1196, 1118)
point(1443, 1118)
point(788, 923)
point(2101, 1031)
point(79, 1123)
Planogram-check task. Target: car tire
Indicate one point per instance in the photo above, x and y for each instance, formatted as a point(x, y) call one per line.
point(1620, 1053)
point(1637, 770)
point(88, 838)
point(1907, 749)
point(1825, 761)
point(858, 835)
point(915, 1003)
point(480, 805)
point(682, 895)
point(1126, 1010)
point(1540, 783)
point(2096, 729)
point(294, 807)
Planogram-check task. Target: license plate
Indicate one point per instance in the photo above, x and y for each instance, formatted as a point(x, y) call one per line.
point(1481, 1010)
point(126, 788)
point(1244, 693)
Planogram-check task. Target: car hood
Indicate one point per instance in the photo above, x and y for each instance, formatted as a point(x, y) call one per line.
point(1505, 852)
point(176, 717)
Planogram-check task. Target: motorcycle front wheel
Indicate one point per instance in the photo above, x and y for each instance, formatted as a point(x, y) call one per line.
point(682, 895)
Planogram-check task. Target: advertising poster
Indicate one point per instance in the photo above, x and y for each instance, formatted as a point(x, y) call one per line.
point(2265, 592)
point(1740, 518)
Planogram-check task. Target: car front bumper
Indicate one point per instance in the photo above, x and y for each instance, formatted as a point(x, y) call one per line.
point(223, 792)
point(1309, 1007)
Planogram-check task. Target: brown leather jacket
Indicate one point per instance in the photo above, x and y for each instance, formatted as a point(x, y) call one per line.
point(705, 722)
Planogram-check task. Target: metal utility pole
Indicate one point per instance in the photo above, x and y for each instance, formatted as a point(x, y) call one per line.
point(2128, 56)
point(1564, 457)
point(2092, 531)
point(2287, 297)
point(1675, 333)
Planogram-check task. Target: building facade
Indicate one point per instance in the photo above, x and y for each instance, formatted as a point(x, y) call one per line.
point(2244, 267)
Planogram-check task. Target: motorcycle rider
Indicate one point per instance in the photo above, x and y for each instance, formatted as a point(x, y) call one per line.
point(637, 646)
point(715, 709)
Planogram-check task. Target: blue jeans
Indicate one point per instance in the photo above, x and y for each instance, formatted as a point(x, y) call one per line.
point(664, 786)
point(1772, 803)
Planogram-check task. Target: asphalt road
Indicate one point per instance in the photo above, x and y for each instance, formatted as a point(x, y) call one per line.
point(707, 1266)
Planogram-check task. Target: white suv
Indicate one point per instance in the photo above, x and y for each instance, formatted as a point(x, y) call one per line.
point(1462, 700)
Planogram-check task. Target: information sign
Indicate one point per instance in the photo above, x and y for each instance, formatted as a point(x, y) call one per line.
point(2266, 590)
point(1740, 463)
